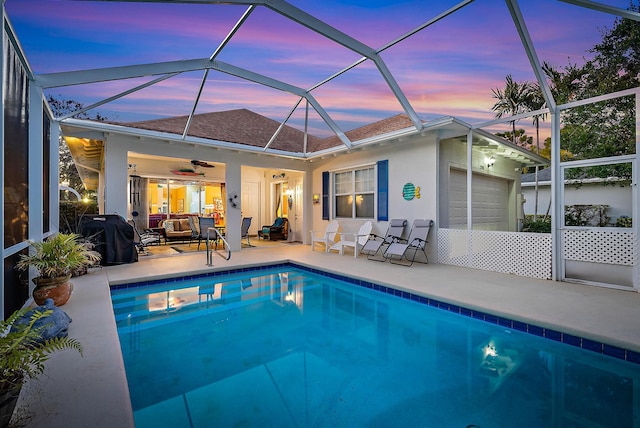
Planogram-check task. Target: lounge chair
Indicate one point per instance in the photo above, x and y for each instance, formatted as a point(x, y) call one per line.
point(377, 244)
point(244, 229)
point(417, 241)
point(357, 241)
point(278, 230)
point(328, 237)
point(143, 240)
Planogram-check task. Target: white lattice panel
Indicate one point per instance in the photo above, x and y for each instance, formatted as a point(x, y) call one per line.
point(524, 254)
point(453, 247)
point(616, 247)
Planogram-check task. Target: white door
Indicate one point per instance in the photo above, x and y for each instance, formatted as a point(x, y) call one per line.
point(296, 217)
point(251, 204)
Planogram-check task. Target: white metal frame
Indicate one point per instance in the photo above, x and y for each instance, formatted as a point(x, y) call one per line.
point(557, 179)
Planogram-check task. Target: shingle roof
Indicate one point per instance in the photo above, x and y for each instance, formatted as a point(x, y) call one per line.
point(394, 123)
point(243, 126)
point(543, 175)
point(240, 126)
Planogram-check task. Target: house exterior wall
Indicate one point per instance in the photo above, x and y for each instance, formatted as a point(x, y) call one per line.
point(409, 162)
point(618, 198)
point(421, 160)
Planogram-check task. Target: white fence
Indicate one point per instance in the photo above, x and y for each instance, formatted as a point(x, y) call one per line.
point(601, 256)
point(606, 256)
point(606, 245)
point(518, 253)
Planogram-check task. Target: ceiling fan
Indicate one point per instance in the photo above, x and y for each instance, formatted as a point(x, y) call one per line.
point(197, 163)
point(193, 170)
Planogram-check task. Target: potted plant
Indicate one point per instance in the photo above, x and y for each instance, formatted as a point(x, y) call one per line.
point(55, 259)
point(23, 352)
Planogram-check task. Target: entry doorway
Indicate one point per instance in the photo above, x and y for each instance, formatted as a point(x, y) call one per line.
point(282, 201)
point(287, 200)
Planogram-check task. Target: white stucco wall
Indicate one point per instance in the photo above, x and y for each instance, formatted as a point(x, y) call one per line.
point(618, 198)
point(409, 162)
point(416, 160)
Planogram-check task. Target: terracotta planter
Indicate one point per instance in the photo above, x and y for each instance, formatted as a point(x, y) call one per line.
point(59, 289)
point(8, 401)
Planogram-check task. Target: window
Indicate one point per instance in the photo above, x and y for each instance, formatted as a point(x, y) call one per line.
point(354, 193)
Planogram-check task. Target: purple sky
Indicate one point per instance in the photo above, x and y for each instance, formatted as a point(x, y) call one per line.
point(447, 69)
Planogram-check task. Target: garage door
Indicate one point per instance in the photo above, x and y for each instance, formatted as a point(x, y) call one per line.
point(490, 201)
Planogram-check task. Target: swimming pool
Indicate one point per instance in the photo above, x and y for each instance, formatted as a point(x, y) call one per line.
point(286, 346)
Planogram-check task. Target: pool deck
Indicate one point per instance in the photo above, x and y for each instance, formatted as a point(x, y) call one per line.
point(92, 390)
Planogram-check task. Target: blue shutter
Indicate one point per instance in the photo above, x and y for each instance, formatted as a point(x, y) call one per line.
point(325, 195)
point(383, 190)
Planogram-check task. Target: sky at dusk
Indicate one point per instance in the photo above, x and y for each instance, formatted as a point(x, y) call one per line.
point(447, 69)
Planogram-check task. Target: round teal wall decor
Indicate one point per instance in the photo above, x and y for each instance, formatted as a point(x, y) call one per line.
point(408, 191)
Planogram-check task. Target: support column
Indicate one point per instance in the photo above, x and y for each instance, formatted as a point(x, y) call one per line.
point(557, 187)
point(54, 176)
point(36, 159)
point(116, 175)
point(233, 220)
point(635, 210)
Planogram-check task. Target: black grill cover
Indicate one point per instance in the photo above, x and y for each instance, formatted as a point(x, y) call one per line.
point(113, 238)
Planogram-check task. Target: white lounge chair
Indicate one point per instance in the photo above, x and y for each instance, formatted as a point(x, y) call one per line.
point(357, 241)
point(417, 241)
point(377, 244)
point(328, 237)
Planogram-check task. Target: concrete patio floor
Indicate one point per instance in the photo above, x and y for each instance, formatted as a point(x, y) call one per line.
point(92, 390)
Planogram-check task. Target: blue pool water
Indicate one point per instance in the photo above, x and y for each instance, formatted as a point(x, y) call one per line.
point(285, 347)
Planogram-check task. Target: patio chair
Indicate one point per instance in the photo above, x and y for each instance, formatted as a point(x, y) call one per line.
point(194, 224)
point(204, 223)
point(357, 242)
point(142, 240)
point(417, 241)
point(328, 237)
point(377, 244)
point(278, 230)
point(244, 229)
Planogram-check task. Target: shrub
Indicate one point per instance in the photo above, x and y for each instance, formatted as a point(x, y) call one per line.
point(586, 215)
point(539, 226)
point(624, 221)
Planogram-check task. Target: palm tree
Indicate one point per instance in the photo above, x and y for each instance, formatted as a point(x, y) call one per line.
point(535, 101)
point(511, 100)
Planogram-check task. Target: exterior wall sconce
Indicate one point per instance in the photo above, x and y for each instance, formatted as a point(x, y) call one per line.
point(281, 175)
point(491, 161)
point(316, 198)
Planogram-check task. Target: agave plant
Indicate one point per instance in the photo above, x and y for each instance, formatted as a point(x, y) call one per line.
point(22, 350)
point(59, 255)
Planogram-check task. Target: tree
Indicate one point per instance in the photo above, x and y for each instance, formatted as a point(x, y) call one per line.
point(603, 129)
point(68, 171)
point(520, 137)
point(545, 151)
point(565, 83)
point(511, 100)
point(535, 101)
point(606, 128)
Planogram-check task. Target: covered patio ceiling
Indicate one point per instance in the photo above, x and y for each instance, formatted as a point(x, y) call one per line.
point(302, 93)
